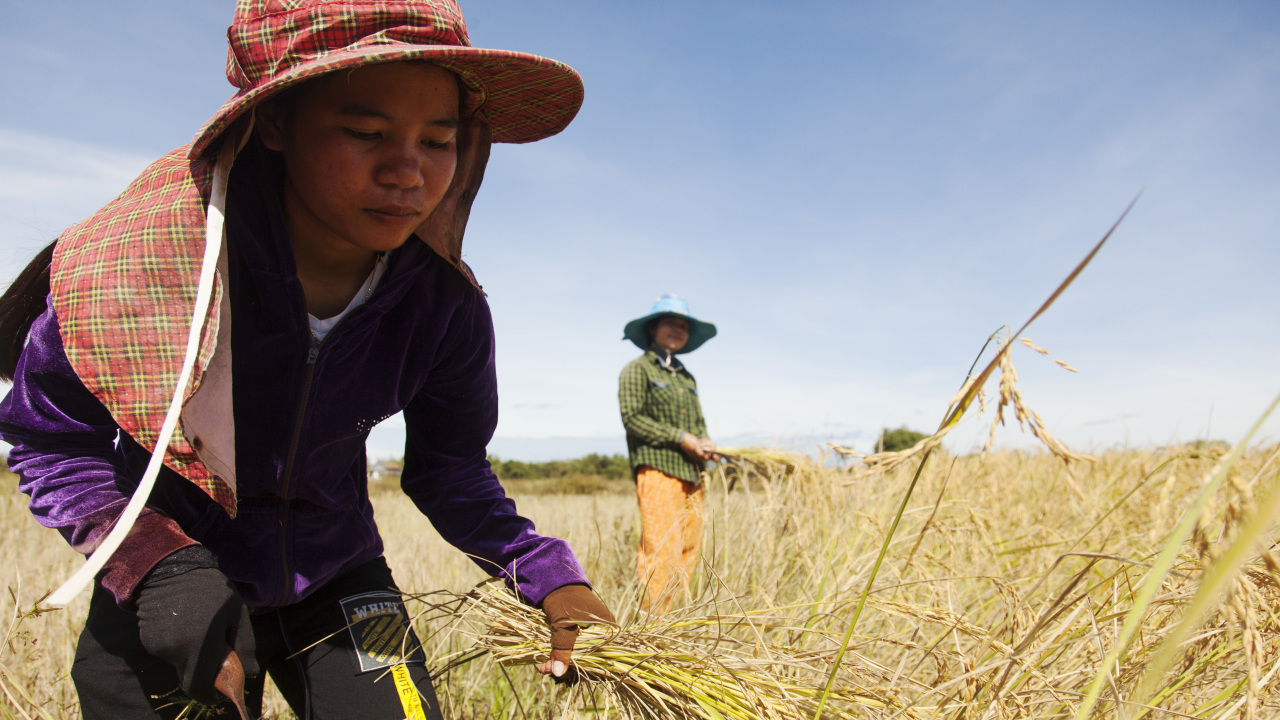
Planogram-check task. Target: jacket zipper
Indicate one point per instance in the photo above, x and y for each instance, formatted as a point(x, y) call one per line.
point(286, 589)
point(313, 352)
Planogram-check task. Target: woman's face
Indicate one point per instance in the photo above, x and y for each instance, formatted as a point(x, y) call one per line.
point(368, 154)
point(671, 333)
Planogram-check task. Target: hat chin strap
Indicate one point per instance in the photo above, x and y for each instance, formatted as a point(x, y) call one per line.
point(204, 292)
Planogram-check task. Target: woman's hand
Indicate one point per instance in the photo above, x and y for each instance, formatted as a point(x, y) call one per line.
point(193, 620)
point(709, 449)
point(698, 449)
point(691, 446)
point(566, 607)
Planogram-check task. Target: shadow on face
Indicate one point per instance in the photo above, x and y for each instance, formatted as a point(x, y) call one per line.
point(670, 333)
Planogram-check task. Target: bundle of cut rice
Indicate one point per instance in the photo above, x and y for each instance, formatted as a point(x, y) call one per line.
point(769, 463)
point(716, 667)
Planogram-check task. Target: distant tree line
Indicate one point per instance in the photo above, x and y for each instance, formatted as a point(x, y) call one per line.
point(898, 439)
point(614, 467)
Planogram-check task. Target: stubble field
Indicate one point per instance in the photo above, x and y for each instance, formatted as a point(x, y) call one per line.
point(1007, 586)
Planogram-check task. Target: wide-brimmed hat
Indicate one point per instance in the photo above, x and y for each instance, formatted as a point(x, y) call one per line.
point(276, 44)
point(700, 331)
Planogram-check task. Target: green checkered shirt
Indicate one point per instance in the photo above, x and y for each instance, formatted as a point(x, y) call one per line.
point(658, 407)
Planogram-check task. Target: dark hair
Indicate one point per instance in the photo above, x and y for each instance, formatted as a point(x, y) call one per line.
point(20, 305)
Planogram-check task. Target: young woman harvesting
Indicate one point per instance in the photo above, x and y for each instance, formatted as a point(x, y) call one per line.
point(346, 165)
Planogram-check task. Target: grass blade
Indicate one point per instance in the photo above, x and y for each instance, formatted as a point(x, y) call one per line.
point(957, 410)
point(1150, 584)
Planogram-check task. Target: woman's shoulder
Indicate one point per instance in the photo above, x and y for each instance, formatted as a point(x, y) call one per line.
point(642, 365)
point(427, 277)
point(429, 299)
point(644, 360)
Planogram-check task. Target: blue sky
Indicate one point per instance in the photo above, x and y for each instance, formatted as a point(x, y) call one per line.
point(857, 194)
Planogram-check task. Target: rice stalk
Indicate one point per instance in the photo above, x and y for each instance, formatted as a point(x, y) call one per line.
point(19, 702)
point(1221, 573)
point(715, 666)
point(1014, 599)
point(1008, 396)
point(970, 390)
point(1011, 396)
point(767, 461)
point(1152, 582)
point(769, 468)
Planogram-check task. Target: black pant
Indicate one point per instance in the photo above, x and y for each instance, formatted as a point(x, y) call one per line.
point(309, 648)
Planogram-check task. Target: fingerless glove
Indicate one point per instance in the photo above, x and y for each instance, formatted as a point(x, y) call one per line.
point(566, 607)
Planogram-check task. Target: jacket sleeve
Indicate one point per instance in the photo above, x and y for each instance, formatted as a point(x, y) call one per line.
point(63, 450)
point(446, 471)
point(633, 389)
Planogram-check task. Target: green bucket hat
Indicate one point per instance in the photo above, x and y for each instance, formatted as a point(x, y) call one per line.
point(700, 331)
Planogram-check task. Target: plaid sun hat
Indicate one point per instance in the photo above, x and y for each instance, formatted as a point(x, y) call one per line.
point(276, 44)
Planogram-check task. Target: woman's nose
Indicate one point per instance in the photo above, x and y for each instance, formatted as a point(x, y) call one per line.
point(400, 169)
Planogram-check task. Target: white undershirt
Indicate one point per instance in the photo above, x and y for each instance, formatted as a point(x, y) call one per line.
point(322, 327)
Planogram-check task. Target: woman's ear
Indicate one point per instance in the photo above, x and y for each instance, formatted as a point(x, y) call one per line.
point(269, 122)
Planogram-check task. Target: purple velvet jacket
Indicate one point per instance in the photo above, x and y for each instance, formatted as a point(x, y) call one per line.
point(423, 343)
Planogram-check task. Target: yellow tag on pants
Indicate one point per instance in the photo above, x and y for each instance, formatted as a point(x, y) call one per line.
point(409, 698)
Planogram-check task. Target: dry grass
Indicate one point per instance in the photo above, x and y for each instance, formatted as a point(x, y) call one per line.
point(706, 661)
point(1006, 585)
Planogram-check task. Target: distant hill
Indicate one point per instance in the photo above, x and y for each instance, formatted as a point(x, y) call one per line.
point(568, 448)
point(556, 448)
point(388, 443)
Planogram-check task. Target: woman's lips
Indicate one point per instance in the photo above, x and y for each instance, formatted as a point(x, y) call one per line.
point(394, 215)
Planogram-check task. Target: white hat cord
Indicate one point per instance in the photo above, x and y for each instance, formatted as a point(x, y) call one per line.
point(204, 292)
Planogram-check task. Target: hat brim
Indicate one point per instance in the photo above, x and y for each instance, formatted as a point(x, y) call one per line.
point(700, 331)
point(524, 97)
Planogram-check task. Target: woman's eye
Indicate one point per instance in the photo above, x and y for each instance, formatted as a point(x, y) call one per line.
point(436, 144)
point(360, 135)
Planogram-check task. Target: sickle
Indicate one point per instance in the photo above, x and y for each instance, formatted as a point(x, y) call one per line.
point(230, 682)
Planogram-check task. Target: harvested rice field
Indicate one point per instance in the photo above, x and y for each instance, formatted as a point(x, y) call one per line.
point(1015, 585)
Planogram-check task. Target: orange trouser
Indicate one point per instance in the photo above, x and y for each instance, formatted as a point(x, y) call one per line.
point(670, 531)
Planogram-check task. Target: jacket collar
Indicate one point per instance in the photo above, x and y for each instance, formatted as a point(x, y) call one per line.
point(665, 360)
